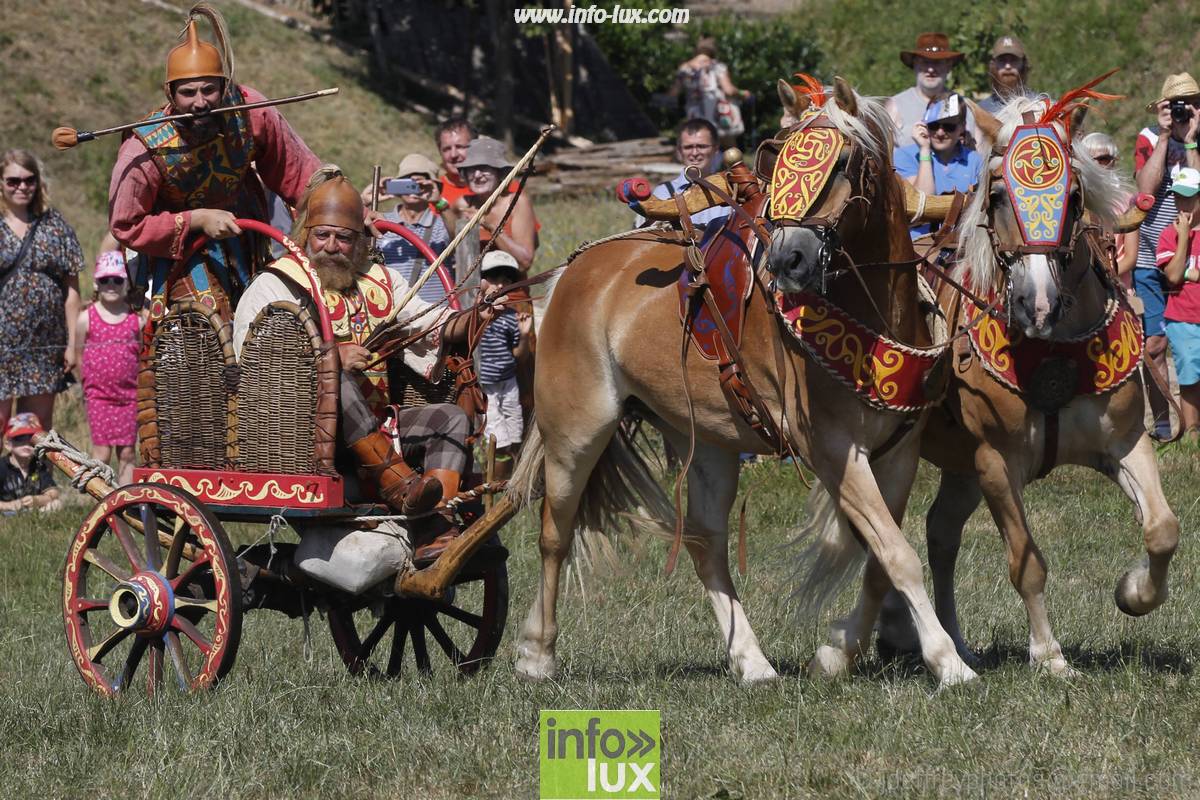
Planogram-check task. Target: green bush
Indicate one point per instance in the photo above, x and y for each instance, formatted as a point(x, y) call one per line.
point(757, 51)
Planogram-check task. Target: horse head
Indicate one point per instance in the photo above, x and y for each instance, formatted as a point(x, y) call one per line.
point(1036, 196)
point(828, 171)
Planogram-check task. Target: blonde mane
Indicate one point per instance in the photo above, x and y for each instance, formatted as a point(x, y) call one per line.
point(1105, 193)
point(870, 129)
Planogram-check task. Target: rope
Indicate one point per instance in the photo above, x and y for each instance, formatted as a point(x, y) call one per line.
point(87, 467)
point(493, 487)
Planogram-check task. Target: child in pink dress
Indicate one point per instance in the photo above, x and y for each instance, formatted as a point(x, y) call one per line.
point(110, 340)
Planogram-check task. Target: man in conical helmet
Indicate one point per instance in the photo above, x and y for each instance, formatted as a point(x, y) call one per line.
point(359, 295)
point(176, 180)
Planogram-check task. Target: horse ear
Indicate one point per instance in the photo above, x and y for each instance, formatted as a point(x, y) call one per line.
point(987, 123)
point(1078, 117)
point(792, 102)
point(845, 96)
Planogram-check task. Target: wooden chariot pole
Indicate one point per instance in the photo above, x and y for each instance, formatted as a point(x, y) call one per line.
point(431, 583)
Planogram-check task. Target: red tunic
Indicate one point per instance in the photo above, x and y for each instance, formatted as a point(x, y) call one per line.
point(141, 222)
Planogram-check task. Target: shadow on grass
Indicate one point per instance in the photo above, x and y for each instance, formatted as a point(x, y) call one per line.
point(1149, 656)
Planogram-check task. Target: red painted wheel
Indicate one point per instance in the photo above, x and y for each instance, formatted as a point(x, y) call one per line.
point(467, 627)
point(168, 593)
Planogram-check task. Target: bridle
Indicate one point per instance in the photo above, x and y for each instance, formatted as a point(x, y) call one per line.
point(830, 206)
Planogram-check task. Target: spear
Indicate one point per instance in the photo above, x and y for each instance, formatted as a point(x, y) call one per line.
point(66, 138)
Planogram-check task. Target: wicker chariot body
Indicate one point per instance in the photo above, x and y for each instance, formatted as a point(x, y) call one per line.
point(151, 580)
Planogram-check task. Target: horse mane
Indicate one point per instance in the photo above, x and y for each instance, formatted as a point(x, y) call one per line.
point(1105, 192)
point(870, 129)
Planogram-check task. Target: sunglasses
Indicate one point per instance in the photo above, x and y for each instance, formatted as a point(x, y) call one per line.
point(948, 127)
point(20, 441)
point(109, 281)
point(13, 183)
point(1105, 161)
point(471, 172)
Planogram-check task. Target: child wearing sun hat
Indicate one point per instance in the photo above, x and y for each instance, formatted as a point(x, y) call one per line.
point(1178, 257)
point(109, 335)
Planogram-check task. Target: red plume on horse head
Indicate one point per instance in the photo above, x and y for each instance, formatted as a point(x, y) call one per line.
point(1071, 101)
point(811, 87)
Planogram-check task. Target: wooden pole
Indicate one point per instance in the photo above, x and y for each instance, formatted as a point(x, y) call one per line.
point(431, 582)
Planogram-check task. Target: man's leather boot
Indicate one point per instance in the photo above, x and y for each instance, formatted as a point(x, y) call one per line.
point(397, 484)
point(450, 481)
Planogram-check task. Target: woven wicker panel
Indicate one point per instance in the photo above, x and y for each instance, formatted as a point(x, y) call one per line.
point(192, 402)
point(277, 394)
point(416, 391)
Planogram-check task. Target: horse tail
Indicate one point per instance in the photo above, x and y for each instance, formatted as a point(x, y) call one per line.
point(622, 488)
point(621, 483)
point(831, 556)
point(527, 482)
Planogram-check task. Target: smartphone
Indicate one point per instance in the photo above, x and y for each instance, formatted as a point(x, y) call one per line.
point(399, 186)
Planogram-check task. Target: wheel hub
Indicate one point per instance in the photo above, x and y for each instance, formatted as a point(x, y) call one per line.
point(144, 604)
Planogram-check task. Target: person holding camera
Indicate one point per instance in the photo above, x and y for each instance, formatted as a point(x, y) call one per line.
point(418, 197)
point(1161, 151)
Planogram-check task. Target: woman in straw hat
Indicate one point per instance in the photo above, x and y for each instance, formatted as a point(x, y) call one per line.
point(1161, 151)
point(173, 180)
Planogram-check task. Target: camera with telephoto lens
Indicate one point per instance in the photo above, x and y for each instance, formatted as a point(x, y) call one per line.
point(1181, 111)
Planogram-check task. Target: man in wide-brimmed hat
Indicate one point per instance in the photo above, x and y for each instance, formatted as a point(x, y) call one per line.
point(176, 180)
point(931, 60)
point(1162, 150)
point(1008, 71)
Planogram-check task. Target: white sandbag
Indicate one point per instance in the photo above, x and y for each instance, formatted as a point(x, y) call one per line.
point(353, 560)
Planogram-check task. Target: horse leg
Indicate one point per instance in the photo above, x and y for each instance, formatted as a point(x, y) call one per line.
point(1026, 565)
point(712, 488)
point(861, 499)
point(851, 636)
point(1144, 587)
point(957, 498)
point(570, 455)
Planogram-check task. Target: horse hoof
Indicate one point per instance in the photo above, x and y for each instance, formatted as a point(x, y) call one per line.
point(758, 674)
point(957, 676)
point(1059, 668)
point(1134, 596)
point(536, 668)
point(829, 662)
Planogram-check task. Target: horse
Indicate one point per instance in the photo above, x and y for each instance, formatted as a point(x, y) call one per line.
point(990, 441)
point(606, 345)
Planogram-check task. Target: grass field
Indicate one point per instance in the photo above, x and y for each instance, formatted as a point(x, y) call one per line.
point(290, 721)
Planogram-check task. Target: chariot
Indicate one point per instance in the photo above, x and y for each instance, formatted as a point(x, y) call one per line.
point(152, 584)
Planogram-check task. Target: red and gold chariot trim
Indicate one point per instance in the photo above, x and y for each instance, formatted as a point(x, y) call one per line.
point(256, 489)
point(1104, 358)
point(883, 373)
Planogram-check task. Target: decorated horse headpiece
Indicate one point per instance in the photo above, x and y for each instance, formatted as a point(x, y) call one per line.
point(1037, 172)
point(807, 158)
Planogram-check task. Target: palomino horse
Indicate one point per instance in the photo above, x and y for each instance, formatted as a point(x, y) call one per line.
point(610, 341)
point(991, 440)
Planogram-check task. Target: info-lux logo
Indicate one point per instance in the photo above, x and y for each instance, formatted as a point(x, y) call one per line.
point(594, 755)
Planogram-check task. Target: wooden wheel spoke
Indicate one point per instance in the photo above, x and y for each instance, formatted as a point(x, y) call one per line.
point(98, 651)
point(443, 639)
point(396, 657)
point(381, 627)
point(171, 567)
point(189, 602)
point(105, 563)
point(420, 649)
point(131, 664)
point(192, 632)
point(192, 573)
point(150, 534)
point(182, 674)
point(460, 614)
point(83, 605)
point(124, 536)
point(154, 668)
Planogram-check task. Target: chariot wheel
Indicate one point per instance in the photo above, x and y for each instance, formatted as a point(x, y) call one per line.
point(466, 627)
point(150, 578)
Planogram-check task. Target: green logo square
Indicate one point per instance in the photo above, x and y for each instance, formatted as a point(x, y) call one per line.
point(600, 754)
